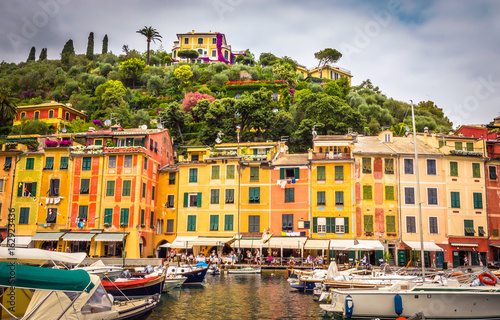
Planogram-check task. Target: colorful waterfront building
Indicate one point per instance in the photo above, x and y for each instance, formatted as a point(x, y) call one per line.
point(167, 207)
point(464, 181)
point(332, 193)
point(53, 113)
point(376, 196)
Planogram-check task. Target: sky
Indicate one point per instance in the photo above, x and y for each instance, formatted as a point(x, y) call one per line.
point(445, 51)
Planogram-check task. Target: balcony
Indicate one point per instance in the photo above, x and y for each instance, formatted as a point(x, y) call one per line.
point(329, 156)
point(466, 153)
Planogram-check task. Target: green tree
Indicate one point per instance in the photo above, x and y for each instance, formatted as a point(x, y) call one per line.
point(31, 127)
point(188, 54)
point(7, 114)
point(267, 59)
point(90, 47)
point(174, 119)
point(285, 71)
point(132, 69)
point(78, 125)
point(155, 84)
point(141, 117)
point(105, 44)
point(219, 79)
point(326, 56)
point(43, 55)
point(151, 35)
point(67, 52)
point(31, 56)
point(183, 73)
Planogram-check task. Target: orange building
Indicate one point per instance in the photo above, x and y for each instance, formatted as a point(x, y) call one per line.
point(55, 113)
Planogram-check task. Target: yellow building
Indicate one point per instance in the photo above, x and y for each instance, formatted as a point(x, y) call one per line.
point(331, 73)
point(53, 113)
point(331, 192)
point(166, 208)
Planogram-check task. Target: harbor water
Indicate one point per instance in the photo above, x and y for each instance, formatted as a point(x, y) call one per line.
point(260, 296)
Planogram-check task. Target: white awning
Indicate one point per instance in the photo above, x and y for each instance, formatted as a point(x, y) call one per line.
point(341, 244)
point(316, 244)
point(464, 244)
point(47, 236)
point(19, 241)
point(286, 242)
point(39, 256)
point(110, 237)
point(249, 243)
point(428, 245)
point(165, 245)
point(208, 241)
point(183, 243)
point(78, 236)
point(375, 244)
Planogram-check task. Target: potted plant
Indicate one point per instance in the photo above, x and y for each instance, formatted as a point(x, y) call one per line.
point(51, 144)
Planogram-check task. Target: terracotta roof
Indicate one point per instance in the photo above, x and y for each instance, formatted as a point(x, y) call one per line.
point(169, 168)
point(300, 159)
point(333, 137)
point(404, 145)
point(372, 145)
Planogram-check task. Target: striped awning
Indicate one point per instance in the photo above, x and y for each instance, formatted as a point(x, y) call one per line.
point(47, 236)
point(78, 236)
point(317, 244)
point(110, 237)
point(464, 244)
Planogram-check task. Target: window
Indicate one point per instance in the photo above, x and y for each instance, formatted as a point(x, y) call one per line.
point(1, 186)
point(478, 200)
point(454, 169)
point(389, 166)
point(170, 225)
point(195, 157)
point(98, 142)
point(431, 167)
point(493, 172)
point(290, 195)
point(156, 147)
point(214, 196)
point(390, 224)
point(229, 195)
point(54, 187)
point(254, 173)
point(433, 225)
point(389, 192)
point(367, 192)
point(143, 213)
point(159, 226)
point(200, 40)
point(254, 195)
point(339, 172)
point(321, 198)
point(253, 223)
point(321, 225)
point(85, 186)
point(24, 215)
point(108, 217)
point(387, 137)
point(153, 191)
point(458, 146)
point(441, 143)
point(193, 175)
point(289, 173)
point(8, 163)
point(408, 166)
point(145, 163)
point(124, 213)
point(215, 172)
point(339, 198)
point(230, 172)
point(23, 115)
point(192, 200)
point(170, 201)
point(409, 195)
point(228, 222)
point(476, 170)
point(455, 199)
point(411, 224)
point(368, 223)
point(226, 54)
point(64, 163)
point(470, 146)
point(49, 163)
point(186, 40)
point(152, 219)
point(287, 222)
point(30, 163)
point(66, 116)
point(26, 189)
point(110, 189)
point(112, 162)
point(171, 178)
point(214, 53)
point(214, 41)
point(126, 188)
point(341, 225)
point(86, 163)
point(367, 165)
point(432, 196)
point(469, 228)
point(37, 115)
point(481, 231)
point(496, 233)
point(320, 173)
point(191, 223)
point(214, 223)
point(144, 190)
point(83, 212)
point(128, 161)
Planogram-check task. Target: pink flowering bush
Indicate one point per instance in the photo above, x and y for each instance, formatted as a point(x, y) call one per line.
point(191, 99)
point(50, 144)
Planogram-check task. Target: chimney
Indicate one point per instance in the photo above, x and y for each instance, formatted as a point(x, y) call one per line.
point(451, 132)
point(426, 129)
point(192, 32)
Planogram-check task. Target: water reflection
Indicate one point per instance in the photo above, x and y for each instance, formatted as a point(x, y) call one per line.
point(234, 296)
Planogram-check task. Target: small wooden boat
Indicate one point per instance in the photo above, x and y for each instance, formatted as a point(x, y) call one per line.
point(249, 270)
point(135, 288)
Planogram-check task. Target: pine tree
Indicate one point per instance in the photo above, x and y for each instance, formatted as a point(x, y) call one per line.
point(31, 56)
point(43, 55)
point(90, 47)
point(105, 44)
point(67, 52)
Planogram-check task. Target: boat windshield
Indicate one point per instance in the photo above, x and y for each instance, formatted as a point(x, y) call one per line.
point(98, 302)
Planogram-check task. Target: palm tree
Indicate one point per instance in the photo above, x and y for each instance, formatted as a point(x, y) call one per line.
point(7, 113)
point(151, 34)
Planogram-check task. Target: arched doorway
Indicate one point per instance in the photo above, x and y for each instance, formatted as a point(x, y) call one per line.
point(142, 243)
point(162, 250)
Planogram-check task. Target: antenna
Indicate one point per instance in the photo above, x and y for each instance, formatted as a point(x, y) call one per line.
point(144, 127)
point(107, 122)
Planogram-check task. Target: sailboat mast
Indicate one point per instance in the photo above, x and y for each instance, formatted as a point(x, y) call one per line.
point(422, 260)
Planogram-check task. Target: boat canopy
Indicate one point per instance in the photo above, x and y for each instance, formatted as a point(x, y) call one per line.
point(28, 277)
point(39, 256)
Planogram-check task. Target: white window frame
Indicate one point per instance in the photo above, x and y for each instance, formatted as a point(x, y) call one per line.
point(414, 195)
point(322, 225)
point(437, 225)
point(214, 53)
point(339, 225)
point(427, 167)
point(195, 195)
point(412, 165)
point(406, 224)
point(387, 137)
point(437, 196)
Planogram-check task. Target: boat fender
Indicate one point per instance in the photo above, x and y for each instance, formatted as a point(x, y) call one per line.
point(401, 318)
point(487, 279)
point(349, 306)
point(398, 304)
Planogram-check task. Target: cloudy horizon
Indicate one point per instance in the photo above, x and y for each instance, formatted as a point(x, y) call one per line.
point(443, 51)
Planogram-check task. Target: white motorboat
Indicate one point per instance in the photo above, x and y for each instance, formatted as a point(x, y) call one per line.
point(173, 281)
point(101, 270)
point(249, 270)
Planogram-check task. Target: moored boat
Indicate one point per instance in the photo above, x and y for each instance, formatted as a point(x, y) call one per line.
point(123, 288)
point(248, 270)
point(195, 275)
point(173, 281)
point(103, 271)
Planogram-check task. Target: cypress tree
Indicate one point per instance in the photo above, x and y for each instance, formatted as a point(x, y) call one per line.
point(43, 55)
point(90, 46)
point(105, 44)
point(31, 56)
point(67, 52)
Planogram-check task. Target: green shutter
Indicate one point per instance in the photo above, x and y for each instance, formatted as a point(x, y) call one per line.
point(478, 200)
point(124, 217)
point(315, 225)
point(198, 200)
point(346, 225)
point(33, 189)
point(367, 192)
point(254, 151)
point(152, 220)
point(476, 170)
point(368, 223)
point(186, 199)
point(339, 172)
point(153, 190)
point(230, 172)
point(389, 192)
point(108, 216)
point(454, 169)
point(458, 146)
point(297, 173)
point(20, 189)
point(282, 173)
point(64, 163)
point(455, 199)
point(328, 222)
point(470, 146)
point(228, 223)
point(215, 172)
point(321, 173)
point(143, 213)
point(110, 189)
point(254, 173)
point(391, 223)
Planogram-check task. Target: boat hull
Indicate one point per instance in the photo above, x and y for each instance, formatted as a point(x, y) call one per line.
point(194, 276)
point(245, 271)
point(135, 288)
